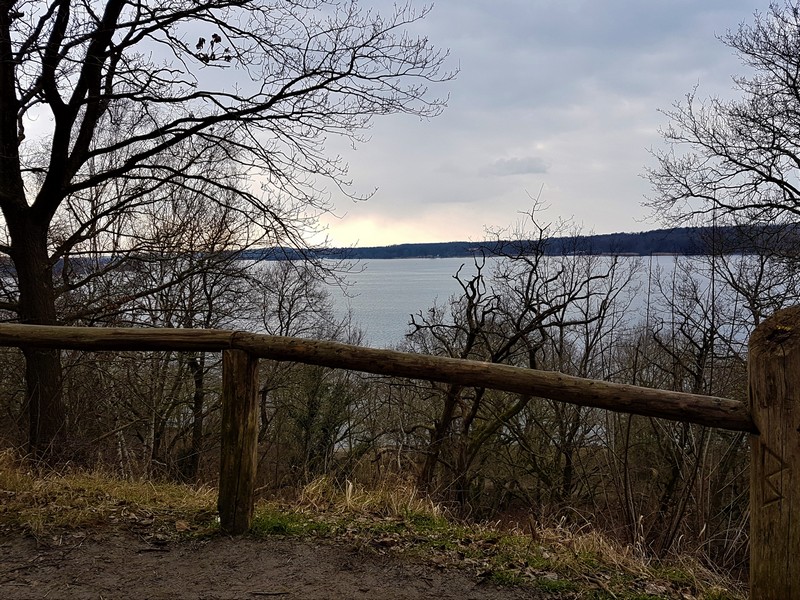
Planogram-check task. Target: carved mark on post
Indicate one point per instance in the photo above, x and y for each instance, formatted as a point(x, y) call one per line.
point(773, 467)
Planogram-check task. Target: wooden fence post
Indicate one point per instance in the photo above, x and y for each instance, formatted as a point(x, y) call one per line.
point(774, 371)
point(239, 454)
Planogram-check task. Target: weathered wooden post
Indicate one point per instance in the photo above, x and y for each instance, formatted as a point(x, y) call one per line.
point(239, 454)
point(774, 367)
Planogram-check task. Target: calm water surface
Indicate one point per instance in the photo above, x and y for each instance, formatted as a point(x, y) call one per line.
point(385, 295)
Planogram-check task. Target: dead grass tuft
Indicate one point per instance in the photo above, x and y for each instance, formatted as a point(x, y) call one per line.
point(37, 501)
point(391, 498)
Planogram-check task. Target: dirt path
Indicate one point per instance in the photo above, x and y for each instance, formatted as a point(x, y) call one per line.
point(119, 564)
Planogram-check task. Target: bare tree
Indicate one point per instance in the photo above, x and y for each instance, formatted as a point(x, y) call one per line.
point(260, 83)
point(533, 311)
point(307, 412)
point(740, 159)
point(733, 163)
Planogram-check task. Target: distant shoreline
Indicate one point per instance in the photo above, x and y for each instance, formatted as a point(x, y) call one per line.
point(676, 241)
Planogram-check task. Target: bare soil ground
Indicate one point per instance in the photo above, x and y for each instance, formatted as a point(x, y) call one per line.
point(118, 563)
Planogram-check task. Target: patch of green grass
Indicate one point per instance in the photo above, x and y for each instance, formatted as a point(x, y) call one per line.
point(620, 595)
point(427, 523)
point(718, 594)
point(589, 560)
point(268, 521)
point(556, 586)
point(509, 578)
point(385, 526)
point(603, 595)
point(677, 575)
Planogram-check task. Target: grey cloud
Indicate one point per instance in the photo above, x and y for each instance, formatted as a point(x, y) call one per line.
point(516, 166)
point(536, 53)
point(575, 83)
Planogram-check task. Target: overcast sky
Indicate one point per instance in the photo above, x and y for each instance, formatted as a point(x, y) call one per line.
point(554, 98)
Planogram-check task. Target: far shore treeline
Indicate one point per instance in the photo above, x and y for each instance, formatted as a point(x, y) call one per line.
point(683, 241)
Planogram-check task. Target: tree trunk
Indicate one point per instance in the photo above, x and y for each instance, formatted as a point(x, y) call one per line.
point(47, 415)
point(439, 435)
point(197, 367)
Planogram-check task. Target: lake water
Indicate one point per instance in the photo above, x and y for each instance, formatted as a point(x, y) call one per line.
point(387, 292)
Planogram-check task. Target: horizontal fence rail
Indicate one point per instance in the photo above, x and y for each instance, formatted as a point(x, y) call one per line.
point(710, 411)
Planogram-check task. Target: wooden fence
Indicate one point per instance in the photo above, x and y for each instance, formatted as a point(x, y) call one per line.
point(771, 416)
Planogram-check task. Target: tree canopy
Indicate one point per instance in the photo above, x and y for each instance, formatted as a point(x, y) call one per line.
point(113, 109)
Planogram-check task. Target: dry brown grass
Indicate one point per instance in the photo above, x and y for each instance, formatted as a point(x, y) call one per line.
point(390, 518)
point(561, 558)
point(391, 497)
point(36, 500)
